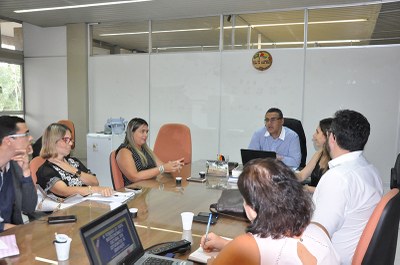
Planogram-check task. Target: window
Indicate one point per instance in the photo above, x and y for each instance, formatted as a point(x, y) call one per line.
point(11, 92)
point(11, 35)
point(361, 24)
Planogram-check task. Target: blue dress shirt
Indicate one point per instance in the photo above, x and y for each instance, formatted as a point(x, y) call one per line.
point(286, 145)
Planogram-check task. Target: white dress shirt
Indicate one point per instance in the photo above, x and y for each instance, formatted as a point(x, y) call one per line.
point(345, 199)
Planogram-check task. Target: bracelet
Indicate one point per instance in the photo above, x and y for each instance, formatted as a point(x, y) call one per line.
point(78, 173)
point(161, 169)
point(90, 190)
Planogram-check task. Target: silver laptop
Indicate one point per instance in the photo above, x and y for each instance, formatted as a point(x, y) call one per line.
point(113, 239)
point(248, 154)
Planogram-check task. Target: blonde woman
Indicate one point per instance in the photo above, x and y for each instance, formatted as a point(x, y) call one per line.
point(62, 174)
point(136, 160)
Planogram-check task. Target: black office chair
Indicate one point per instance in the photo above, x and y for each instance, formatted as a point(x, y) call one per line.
point(395, 174)
point(296, 126)
point(378, 241)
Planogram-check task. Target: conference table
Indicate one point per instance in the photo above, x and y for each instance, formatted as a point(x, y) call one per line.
point(159, 206)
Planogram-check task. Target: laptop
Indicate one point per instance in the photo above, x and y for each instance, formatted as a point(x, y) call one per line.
point(248, 154)
point(112, 239)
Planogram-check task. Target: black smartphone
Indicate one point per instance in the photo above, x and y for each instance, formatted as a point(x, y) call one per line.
point(204, 219)
point(61, 219)
point(215, 215)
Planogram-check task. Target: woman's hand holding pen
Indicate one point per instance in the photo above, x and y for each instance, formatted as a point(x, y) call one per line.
point(214, 242)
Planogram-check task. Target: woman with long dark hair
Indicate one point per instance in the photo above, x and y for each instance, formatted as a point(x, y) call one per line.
point(135, 158)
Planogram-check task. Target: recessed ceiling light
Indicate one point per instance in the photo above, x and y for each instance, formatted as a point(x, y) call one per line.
point(79, 6)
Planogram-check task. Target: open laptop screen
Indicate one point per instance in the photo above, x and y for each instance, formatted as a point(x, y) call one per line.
point(248, 154)
point(111, 237)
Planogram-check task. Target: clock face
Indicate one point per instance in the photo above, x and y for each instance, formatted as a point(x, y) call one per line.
point(262, 60)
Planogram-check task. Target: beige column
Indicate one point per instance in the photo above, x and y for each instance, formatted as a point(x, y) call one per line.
point(77, 78)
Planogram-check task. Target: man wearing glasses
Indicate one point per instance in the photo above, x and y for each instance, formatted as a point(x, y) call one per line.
point(349, 191)
point(277, 138)
point(17, 190)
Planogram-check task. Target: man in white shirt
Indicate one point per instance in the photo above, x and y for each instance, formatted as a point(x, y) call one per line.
point(349, 191)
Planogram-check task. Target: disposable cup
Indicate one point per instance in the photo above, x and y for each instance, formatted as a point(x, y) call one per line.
point(62, 244)
point(187, 219)
point(133, 212)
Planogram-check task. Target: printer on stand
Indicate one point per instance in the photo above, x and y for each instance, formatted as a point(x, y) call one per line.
point(99, 147)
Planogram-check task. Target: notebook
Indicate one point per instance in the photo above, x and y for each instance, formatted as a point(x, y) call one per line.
point(112, 239)
point(248, 154)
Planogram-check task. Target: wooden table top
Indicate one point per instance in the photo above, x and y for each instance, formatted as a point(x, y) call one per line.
point(159, 206)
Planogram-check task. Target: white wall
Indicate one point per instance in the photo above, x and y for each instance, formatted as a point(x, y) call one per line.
point(365, 79)
point(45, 76)
point(223, 99)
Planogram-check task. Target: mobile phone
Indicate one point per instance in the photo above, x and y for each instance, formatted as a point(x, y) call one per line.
point(201, 180)
point(215, 215)
point(204, 219)
point(61, 219)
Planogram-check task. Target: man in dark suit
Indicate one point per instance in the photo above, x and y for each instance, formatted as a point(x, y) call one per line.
point(17, 190)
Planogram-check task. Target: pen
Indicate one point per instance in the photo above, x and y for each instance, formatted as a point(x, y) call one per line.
point(208, 226)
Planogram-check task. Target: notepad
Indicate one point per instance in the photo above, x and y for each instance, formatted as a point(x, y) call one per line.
point(201, 256)
point(8, 246)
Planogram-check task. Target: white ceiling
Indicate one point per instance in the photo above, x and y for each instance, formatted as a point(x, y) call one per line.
point(115, 17)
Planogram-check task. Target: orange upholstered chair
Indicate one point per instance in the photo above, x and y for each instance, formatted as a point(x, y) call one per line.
point(116, 174)
point(71, 126)
point(173, 141)
point(34, 165)
point(378, 241)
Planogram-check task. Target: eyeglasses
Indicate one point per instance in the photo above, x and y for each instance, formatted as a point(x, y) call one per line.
point(67, 140)
point(274, 119)
point(19, 135)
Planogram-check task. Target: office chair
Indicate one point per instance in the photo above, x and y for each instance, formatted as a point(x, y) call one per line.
point(34, 165)
point(378, 241)
point(173, 141)
point(71, 126)
point(296, 126)
point(38, 144)
point(116, 174)
point(395, 174)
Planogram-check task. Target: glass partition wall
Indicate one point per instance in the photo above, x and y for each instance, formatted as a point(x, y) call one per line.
point(368, 24)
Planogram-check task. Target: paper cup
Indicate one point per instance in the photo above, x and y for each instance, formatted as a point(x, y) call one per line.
point(62, 247)
point(187, 219)
point(133, 212)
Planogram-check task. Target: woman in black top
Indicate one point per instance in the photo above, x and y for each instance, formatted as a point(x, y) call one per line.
point(136, 160)
point(318, 164)
point(62, 174)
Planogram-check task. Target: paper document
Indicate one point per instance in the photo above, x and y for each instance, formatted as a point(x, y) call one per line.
point(201, 256)
point(120, 197)
point(8, 246)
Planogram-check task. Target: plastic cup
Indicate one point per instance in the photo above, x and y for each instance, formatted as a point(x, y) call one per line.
point(62, 244)
point(178, 181)
point(187, 220)
point(133, 212)
point(202, 174)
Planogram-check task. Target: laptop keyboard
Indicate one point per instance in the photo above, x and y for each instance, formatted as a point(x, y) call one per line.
point(157, 261)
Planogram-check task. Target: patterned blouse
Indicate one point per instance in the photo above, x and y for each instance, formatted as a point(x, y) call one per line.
point(48, 174)
point(138, 163)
